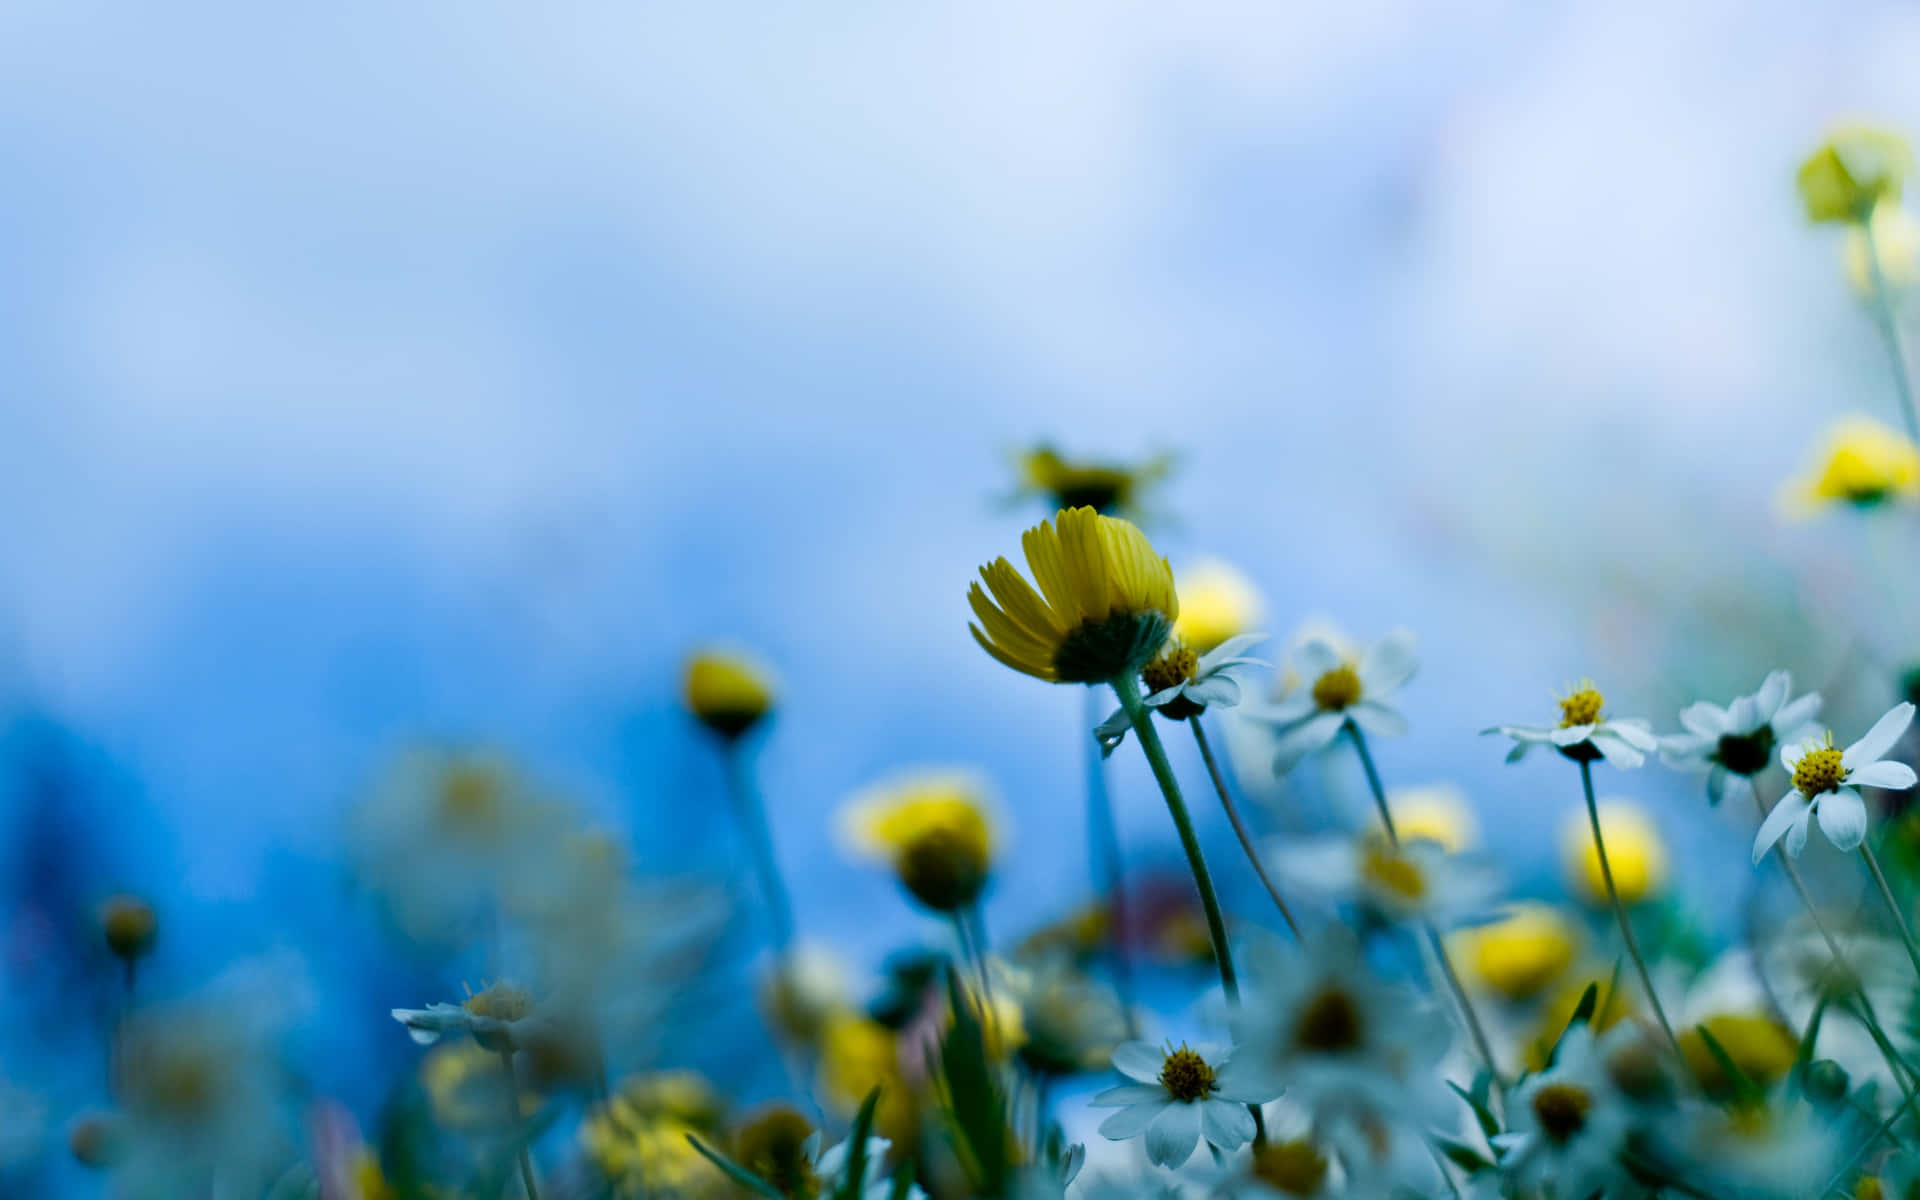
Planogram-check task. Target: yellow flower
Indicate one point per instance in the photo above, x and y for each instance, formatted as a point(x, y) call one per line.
point(1614, 1003)
point(728, 690)
point(1103, 487)
point(858, 1054)
point(637, 1139)
point(1635, 851)
point(1897, 237)
point(466, 1089)
point(1521, 954)
point(1862, 463)
point(1852, 171)
point(1438, 814)
point(1108, 602)
point(1761, 1047)
point(1217, 602)
point(932, 828)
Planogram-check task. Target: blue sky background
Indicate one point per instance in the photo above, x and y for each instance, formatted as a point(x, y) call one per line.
point(375, 374)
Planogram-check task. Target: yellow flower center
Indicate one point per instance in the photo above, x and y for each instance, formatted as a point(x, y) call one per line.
point(1386, 868)
point(1581, 707)
point(502, 1002)
point(1338, 689)
point(470, 797)
point(1174, 665)
point(1329, 1024)
point(1186, 1075)
point(1561, 1109)
point(1819, 771)
point(1292, 1167)
point(774, 1147)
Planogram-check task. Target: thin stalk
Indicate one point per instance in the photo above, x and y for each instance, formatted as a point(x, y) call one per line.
point(117, 1052)
point(1468, 1016)
point(1239, 827)
point(1109, 876)
point(752, 816)
point(1893, 906)
point(513, 1112)
point(1890, 330)
point(974, 950)
point(1620, 910)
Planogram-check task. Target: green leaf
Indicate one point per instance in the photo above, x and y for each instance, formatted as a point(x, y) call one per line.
point(1744, 1089)
point(1582, 1015)
point(853, 1185)
point(1465, 1157)
point(1803, 1057)
point(977, 1112)
point(734, 1171)
point(1489, 1126)
point(903, 1178)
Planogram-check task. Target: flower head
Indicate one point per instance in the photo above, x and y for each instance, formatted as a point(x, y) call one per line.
point(1852, 172)
point(728, 690)
point(1861, 463)
point(1110, 488)
point(1584, 733)
point(499, 1018)
point(1568, 1125)
point(637, 1139)
point(1180, 1095)
point(932, 828)
point(1826, 783)
point(1636, 853)
point(129, 925)
point(1105, 605)
point(1521, 954)
point(1414, 880)
point(1737, 742)
point(1217, 602)
point(1182, 685)
point(1335, 688)
point(1436, 813)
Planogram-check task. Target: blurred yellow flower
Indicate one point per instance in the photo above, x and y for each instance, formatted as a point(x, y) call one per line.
point(1861, 462)
point(1853, 171)
point(932, 828)
point(1897, 238)
point(1635, 851)
point(1614, 1002)
point(465, 1087)
point(774, 1144)
point(642, 1149)
point(1520, 955)
point(858, 1054)
point(1217, 602)
point(1108, 602)
point(728, 690)
point(129, 925)
point(1761, 1048)
point(1110, 488)
point(1437, 813)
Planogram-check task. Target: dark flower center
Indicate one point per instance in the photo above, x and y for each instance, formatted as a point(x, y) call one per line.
point(1329, 1024)
point(1746, 753)
point(1562, 1110)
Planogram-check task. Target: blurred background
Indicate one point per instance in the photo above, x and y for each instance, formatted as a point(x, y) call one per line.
point(376, 375)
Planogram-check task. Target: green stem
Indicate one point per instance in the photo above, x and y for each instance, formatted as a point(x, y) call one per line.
point(1620, 910)
point(513, 1107)
point(1468, 1016)
point(1893, 906)
point(752, 816)
point(1109, 877)
point(1142, 718)
point(1239, 827)
point(1890, 330)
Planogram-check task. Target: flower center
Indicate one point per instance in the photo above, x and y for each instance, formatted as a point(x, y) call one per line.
point(1186, 1075)
point(774, 1147)
point(1294, 1167)
point(1581, 707)
point(1337, 690)
point(1175, 665)
point(1099, 650)
point(1746, 753)
point(1394, 873)
point(1819, 771)
point(1329, 1024)
point(502, 1002)
point(1562, 1110)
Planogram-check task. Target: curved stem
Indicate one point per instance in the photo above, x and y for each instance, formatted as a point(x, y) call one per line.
point(1893, 906)
point(752, 815)
point(1109, 875)
point(1890, 330)
point(1620, 910)
point(1468, 1016)
point(513, 1105)
point(1239, 827)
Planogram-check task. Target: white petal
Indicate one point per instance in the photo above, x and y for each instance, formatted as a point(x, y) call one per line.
point(1112, 731)
point(1797, 832)
point(1139, 1060)
point(1165, 694)
point(1791, 754)
point(1218, 690)
point(1129, 1094)
point(1880, 739)
point(1173, 1134)
point(1883, 774)
point(1388, 664)
point(1233, 647)
point(1244, 1083)
point(1313, 659)
point(1843, 818)
point(1572, 735)
point(1792, 806)
point(1295, 708)
point(1743, 715)
point(1225, 1124)
point(1772, 694)
point(1800, 712)
point(1615, 750)
point(1739, 790)
point(1704, 719)
point(1377, 719)
point(1303, 739)
point(1717, 785)
point(1131, 1122)
point(1634, 732)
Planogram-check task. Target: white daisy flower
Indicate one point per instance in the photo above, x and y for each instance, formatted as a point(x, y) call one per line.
point(1826, 784)
point(1736, 743)
point(1180, 1096)
point(1776, 1149)
point(1585, 733)
point(1416, 880)
point(1182, 685)
point(1335, 689)
point(1568, 1125)
point(831, 1167)
point(498, 1018)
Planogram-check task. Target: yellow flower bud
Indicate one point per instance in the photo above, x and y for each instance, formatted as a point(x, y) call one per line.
point(728, 691)
point(1635, 851)
point(129, 925)
point(1852, 171)
point(1520, 955)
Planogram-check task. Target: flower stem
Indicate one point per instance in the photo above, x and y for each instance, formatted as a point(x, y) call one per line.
point(1239, 827)
point(1109, 876)
point(513, 1114)
point(1620, 910)
point(1893, 906)
point(752, 816)
point(1468, 1015)
point(1890, 330)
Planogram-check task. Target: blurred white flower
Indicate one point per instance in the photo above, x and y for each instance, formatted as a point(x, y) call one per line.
point(1568, 1125)
point(1736, 743)
point(1417, 880)
point(1336, 688)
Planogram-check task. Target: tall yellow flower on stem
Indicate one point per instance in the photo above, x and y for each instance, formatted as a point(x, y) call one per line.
point(1861, 463)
